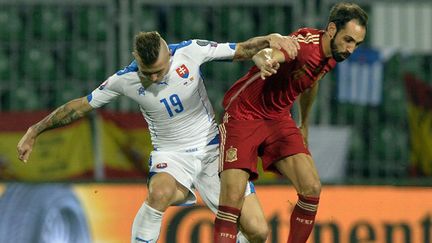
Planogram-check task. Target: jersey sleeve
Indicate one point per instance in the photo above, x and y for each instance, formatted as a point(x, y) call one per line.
point(106, 92)
point(202, 51)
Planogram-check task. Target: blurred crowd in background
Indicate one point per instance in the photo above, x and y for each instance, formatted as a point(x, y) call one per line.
point(372, 120)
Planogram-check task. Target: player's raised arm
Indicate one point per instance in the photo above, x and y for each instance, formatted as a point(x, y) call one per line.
point(247, 49)
point(65, 114)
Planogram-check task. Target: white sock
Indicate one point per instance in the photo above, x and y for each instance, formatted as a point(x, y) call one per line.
point(147, 224)
point(241, 238)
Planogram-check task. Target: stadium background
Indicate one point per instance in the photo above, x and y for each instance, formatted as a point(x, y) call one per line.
point(371, 132)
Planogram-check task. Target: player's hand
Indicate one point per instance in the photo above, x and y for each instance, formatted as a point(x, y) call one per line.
point(266, 63)
point(305, 133)
point(25, 146)
point(288, 43)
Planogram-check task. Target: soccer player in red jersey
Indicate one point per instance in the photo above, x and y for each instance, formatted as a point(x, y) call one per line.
point(257, 120)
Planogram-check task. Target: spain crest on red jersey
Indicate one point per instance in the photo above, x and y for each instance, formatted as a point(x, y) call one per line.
point(183, 71)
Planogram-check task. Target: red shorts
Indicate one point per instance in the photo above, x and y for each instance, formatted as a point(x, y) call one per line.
point(242, 141)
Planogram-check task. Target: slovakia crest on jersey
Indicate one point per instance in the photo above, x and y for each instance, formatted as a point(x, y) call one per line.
point(183, 71)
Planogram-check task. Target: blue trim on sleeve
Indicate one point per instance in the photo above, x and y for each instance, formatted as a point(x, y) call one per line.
point(132, 67)
point(89, 97)
point(174, 47)
point(233, 45)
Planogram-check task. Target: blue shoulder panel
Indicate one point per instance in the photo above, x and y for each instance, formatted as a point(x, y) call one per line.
point(175, 47)
point(133, 67)
point(89, 97)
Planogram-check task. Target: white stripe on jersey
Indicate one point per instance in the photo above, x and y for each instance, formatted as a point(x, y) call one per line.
point(177, 110)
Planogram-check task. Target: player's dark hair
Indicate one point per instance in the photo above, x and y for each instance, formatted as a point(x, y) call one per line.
point(342, 13)
point(147, 45)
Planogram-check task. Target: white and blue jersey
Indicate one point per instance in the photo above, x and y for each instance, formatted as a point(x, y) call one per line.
point(177, 109)
point(180, 117)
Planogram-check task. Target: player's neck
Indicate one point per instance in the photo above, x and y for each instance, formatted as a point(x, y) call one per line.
point(326, 47)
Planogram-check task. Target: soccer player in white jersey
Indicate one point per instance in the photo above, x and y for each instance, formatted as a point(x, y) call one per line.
point(166, 82)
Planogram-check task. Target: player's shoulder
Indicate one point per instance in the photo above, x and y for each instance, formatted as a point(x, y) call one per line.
point(308, 31)
point(178, 47)
point(131, 68)
point(125, 75)
point(191, 45)
point(308, 35)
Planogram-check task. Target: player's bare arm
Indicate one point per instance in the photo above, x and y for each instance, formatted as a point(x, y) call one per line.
point(306, 100)
point(268, 59)
point(246, 50)
point(65, 114)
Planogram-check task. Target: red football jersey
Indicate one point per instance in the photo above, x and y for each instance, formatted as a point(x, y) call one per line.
point(252, 98)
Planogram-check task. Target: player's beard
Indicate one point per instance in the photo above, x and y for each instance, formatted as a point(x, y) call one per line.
point(337, 55)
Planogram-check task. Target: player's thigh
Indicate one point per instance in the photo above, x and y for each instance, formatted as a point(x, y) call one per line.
point(300, 169)
point(234, 183)
point(163, 186)
point(252, 219)
point(285, 139)
point(208, 185)
point(176, 170)
point(239, 145)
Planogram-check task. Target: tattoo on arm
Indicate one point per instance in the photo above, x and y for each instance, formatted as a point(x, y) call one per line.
point(250, 47)
point(62, 116)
